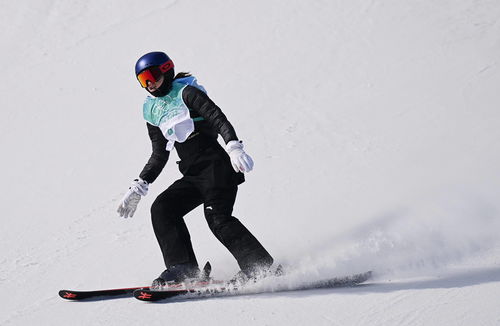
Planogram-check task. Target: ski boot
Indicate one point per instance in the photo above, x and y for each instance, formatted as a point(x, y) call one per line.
point(176, 274)
point(252, 275)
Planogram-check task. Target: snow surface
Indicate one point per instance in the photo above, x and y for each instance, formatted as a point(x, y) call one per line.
point(374, 126)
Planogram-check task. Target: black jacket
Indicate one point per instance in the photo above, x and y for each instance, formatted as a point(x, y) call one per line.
point(200, 154)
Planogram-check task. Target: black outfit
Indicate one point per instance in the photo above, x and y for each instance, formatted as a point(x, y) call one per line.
point(209, 179)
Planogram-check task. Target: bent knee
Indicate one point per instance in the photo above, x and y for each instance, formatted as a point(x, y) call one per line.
point(218, 220)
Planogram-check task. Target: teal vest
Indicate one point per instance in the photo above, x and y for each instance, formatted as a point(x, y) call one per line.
point(171, 114)
point(157, 109)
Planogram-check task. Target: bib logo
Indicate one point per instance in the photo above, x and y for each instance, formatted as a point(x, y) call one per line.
point(164, 110)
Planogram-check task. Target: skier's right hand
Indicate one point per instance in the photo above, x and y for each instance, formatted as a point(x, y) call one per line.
point(129, 203)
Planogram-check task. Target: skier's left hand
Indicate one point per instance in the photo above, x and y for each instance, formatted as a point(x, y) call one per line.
point(241, 161)
point(128, 204)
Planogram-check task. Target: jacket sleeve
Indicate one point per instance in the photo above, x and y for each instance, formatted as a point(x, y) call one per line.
point(159, 156)
point(198, 101)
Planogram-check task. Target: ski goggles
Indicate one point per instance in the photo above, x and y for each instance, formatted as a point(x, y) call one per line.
point(153, 74)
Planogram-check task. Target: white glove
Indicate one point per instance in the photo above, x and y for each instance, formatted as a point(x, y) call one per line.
point(129, 203)
point(240, 160)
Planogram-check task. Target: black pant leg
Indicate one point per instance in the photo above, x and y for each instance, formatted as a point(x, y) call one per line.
point(167, 215)
point(249, 253)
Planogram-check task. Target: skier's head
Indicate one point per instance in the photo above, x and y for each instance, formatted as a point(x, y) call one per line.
point(155, 72)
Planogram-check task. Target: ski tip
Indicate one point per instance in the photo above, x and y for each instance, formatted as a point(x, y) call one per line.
point(68, 295)
point(143, 295)
point(150, 296)
point(157, 295)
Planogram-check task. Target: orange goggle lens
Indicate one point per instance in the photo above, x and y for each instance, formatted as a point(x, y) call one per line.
point(154, 73)
point(148, 75)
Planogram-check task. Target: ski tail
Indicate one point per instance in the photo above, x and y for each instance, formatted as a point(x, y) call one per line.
point(346, 281)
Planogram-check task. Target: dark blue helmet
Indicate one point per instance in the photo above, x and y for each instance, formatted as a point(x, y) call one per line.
point(153, 59)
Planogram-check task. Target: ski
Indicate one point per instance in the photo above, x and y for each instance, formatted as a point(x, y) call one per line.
point(180, 289)
point(128, 292)
point(124, 292)
point(227, 288)
point(99, 294)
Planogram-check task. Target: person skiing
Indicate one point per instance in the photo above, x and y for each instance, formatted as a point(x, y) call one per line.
point(180, 115)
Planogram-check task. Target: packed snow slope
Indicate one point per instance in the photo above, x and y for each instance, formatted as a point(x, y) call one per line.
point(374, 126)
